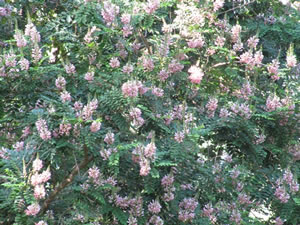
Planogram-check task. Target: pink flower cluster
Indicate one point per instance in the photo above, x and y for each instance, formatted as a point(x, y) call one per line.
point(235, 33)
point(70, 68)
point(114, 62)
point(156, 220)
point(38, 180)
point(179, 136)
point(89, 76)
point(33, 209)
point(42, 128)
point(109, 12)
point(88, 37)
point(19, 146)
point(60, 83)
point(148, 64)
point(175, 67)
point(133, 88)
point(135, 116)
point(89, 109)
point(64, 129)
point(30, 30)
point(187, 209)
point(291, 60)
point(251, 60)
point(252, 42)
point(273, 69)
point(197, 42)
point(157, 91)
point(65, 96)
point(208, 211)
point(21, 41)
point(24, 64)
point(218, 4)
point(109, 138)
point(242, 109)
point(211, 106)
point(154, 207)
point(273, 103)
point(196, 74)
point(95, 126)
point(106, 153)
point(151, 6)
point(167, 183)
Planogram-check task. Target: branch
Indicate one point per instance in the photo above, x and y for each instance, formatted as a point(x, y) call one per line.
point(237, 7)
point(68, 180)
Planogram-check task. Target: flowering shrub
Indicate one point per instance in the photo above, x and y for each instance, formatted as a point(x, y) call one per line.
point(149, 112)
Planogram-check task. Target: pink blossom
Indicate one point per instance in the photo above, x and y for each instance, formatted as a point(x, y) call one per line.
point(196, 43)
point(45, 176)
point(258, 57)
point(109, 138)
point(36, 53)
point(235, 33)
point(33, 209)
point(157, 91)
point(89, 109)
point(94, 173)
point(145, 167)
point(19, 146)
point(154, 207)
point(39, 191)
point(65, 96)
point(148, 64)
point(30, 30)
point(156, 220)
point(252, 42)
point(273, 67)
point(10, 60)
point(95, 126)
point(218, 4)
point(24, 64)
point(175, 67)
point(78, 106)
point(196, 74)
point(220, 41)
point(167, 180)
point(42, 128)
point(64, 129)
point(21, 41)
point(37, 165)
point(179, 136)
point(89, 76)
point(114, 62)
point(236, 217)
point(127, 30)
point(273, 103)
point(130, 89)
point(150, 150)
point(224, 113)
point(281, 194)
point(125, 18)
point(163, 75)
point(70, 68)
point(127, 69)
point(60, 83)
point(151, 6)
point(291, 60)
point(109, 12)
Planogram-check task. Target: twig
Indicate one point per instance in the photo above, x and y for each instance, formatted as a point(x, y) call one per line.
point(237, 7)
point(68, 180)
